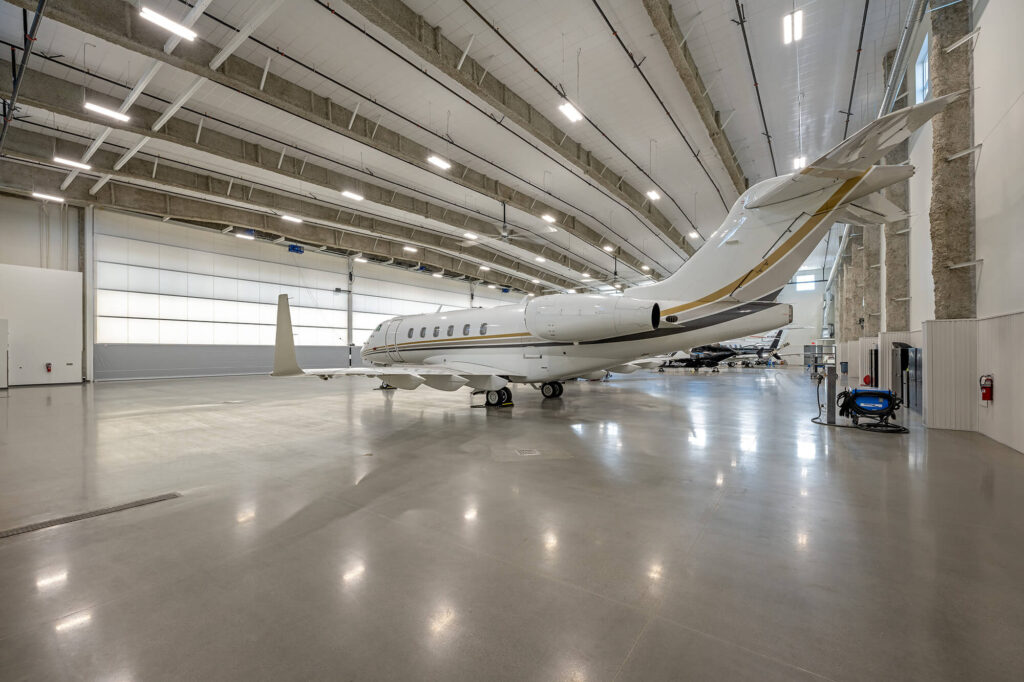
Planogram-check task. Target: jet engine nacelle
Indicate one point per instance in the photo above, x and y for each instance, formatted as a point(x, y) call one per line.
point(586, 317)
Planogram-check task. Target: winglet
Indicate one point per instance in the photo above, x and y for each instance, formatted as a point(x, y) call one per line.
point(285, 364)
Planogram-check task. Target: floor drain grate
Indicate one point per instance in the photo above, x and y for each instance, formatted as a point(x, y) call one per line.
point(86, 515)
point(528, 453)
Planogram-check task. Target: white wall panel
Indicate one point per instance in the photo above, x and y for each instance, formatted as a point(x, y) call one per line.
point(44, 312)
point(950, 374)
point(999, 354)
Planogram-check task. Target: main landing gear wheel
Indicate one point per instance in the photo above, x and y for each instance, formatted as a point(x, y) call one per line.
point(506, 396)
point(551, 389)
point(495, 398)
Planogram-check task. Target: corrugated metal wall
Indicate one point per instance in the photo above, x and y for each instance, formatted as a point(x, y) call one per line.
point(950, 374)
point(999, 354)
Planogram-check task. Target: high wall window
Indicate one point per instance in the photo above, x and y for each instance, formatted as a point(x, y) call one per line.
point(922, 79)
point(170, 285)
point(805, 282)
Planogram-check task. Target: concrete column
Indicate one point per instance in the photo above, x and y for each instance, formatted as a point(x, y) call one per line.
point(870, 262)
point(87, 265)
point(856, 275)
point(952, 205)
point(897, 245)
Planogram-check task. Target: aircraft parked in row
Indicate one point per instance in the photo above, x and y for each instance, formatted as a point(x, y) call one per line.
point(714, 354)
point(726, 290)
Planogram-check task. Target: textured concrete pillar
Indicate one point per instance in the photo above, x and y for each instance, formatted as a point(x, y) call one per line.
point(871, 264)
point(897, 250)
point(856, 275)
point(952, 205)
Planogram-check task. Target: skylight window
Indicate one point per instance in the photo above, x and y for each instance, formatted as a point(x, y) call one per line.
point(793, 27)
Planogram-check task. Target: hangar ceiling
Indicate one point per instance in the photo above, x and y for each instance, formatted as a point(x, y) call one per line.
point(310, 100)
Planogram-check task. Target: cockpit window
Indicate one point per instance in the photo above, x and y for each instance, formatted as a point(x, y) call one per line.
point(423, 332)
point(483, 329)
point(465, 330)
point(378, 327)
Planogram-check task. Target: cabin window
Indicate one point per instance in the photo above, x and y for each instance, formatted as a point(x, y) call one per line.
point(410, 332)
point(437, 331)
point(451, 329)
point(423, 332)
point(465, 330)
point(483, 329)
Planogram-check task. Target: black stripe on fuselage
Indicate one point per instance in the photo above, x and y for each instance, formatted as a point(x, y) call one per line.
point(736, 312)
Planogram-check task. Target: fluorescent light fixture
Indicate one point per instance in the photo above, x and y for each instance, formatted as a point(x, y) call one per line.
point(793, 26)
point(548, 218)
point(107, 112)
point(652, 195)
point(540, 259)
point(535, 281)
point(410, 249)
point(617, 286)
point(163, 22)
point(438, 275)
point(245, 235)
point(531, 294)
point(360, 259)
point(352, 195)
point(586, 274)
point(73, 164)
point(322, 248)
point(484, 268)
point(571, 112)
point(291, 219)
point(799, 162)
point(470, 235)
point(48, 197)
point(492, 286)
point(439, 162)
point(609, 248)
point(694, 234)
point(570, 291)
point(645, 268)
point(279, 240)
point(586, 279)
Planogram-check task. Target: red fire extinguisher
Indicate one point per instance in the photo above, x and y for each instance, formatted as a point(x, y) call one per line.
point(985, 382)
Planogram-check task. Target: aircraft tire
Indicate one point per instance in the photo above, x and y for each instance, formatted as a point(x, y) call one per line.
point(560, 388)
point(506, 395)
point(550, 389)
point(494, 398)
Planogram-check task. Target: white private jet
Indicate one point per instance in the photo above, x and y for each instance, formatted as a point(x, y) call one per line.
point(725, 291)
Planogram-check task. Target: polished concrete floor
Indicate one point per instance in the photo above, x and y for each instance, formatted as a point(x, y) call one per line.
point(666, 527)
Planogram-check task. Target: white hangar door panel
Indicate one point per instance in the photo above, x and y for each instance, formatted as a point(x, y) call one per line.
point(44, 312)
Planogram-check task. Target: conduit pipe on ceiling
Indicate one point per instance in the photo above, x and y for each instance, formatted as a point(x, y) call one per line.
point(892, 85)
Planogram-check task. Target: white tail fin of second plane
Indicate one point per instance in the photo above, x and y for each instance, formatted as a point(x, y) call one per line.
point(285, 364)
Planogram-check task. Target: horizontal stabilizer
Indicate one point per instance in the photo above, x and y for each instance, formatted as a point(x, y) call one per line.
point(855, 156)
point(874, 209)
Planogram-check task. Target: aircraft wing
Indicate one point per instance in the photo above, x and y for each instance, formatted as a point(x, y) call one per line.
point(856, 155)
point(445, 377)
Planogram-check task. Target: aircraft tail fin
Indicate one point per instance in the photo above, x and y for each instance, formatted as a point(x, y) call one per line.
point(285, 364)
point(776, 340)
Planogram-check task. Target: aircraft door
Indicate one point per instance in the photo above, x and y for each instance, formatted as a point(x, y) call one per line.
point(391, 340)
